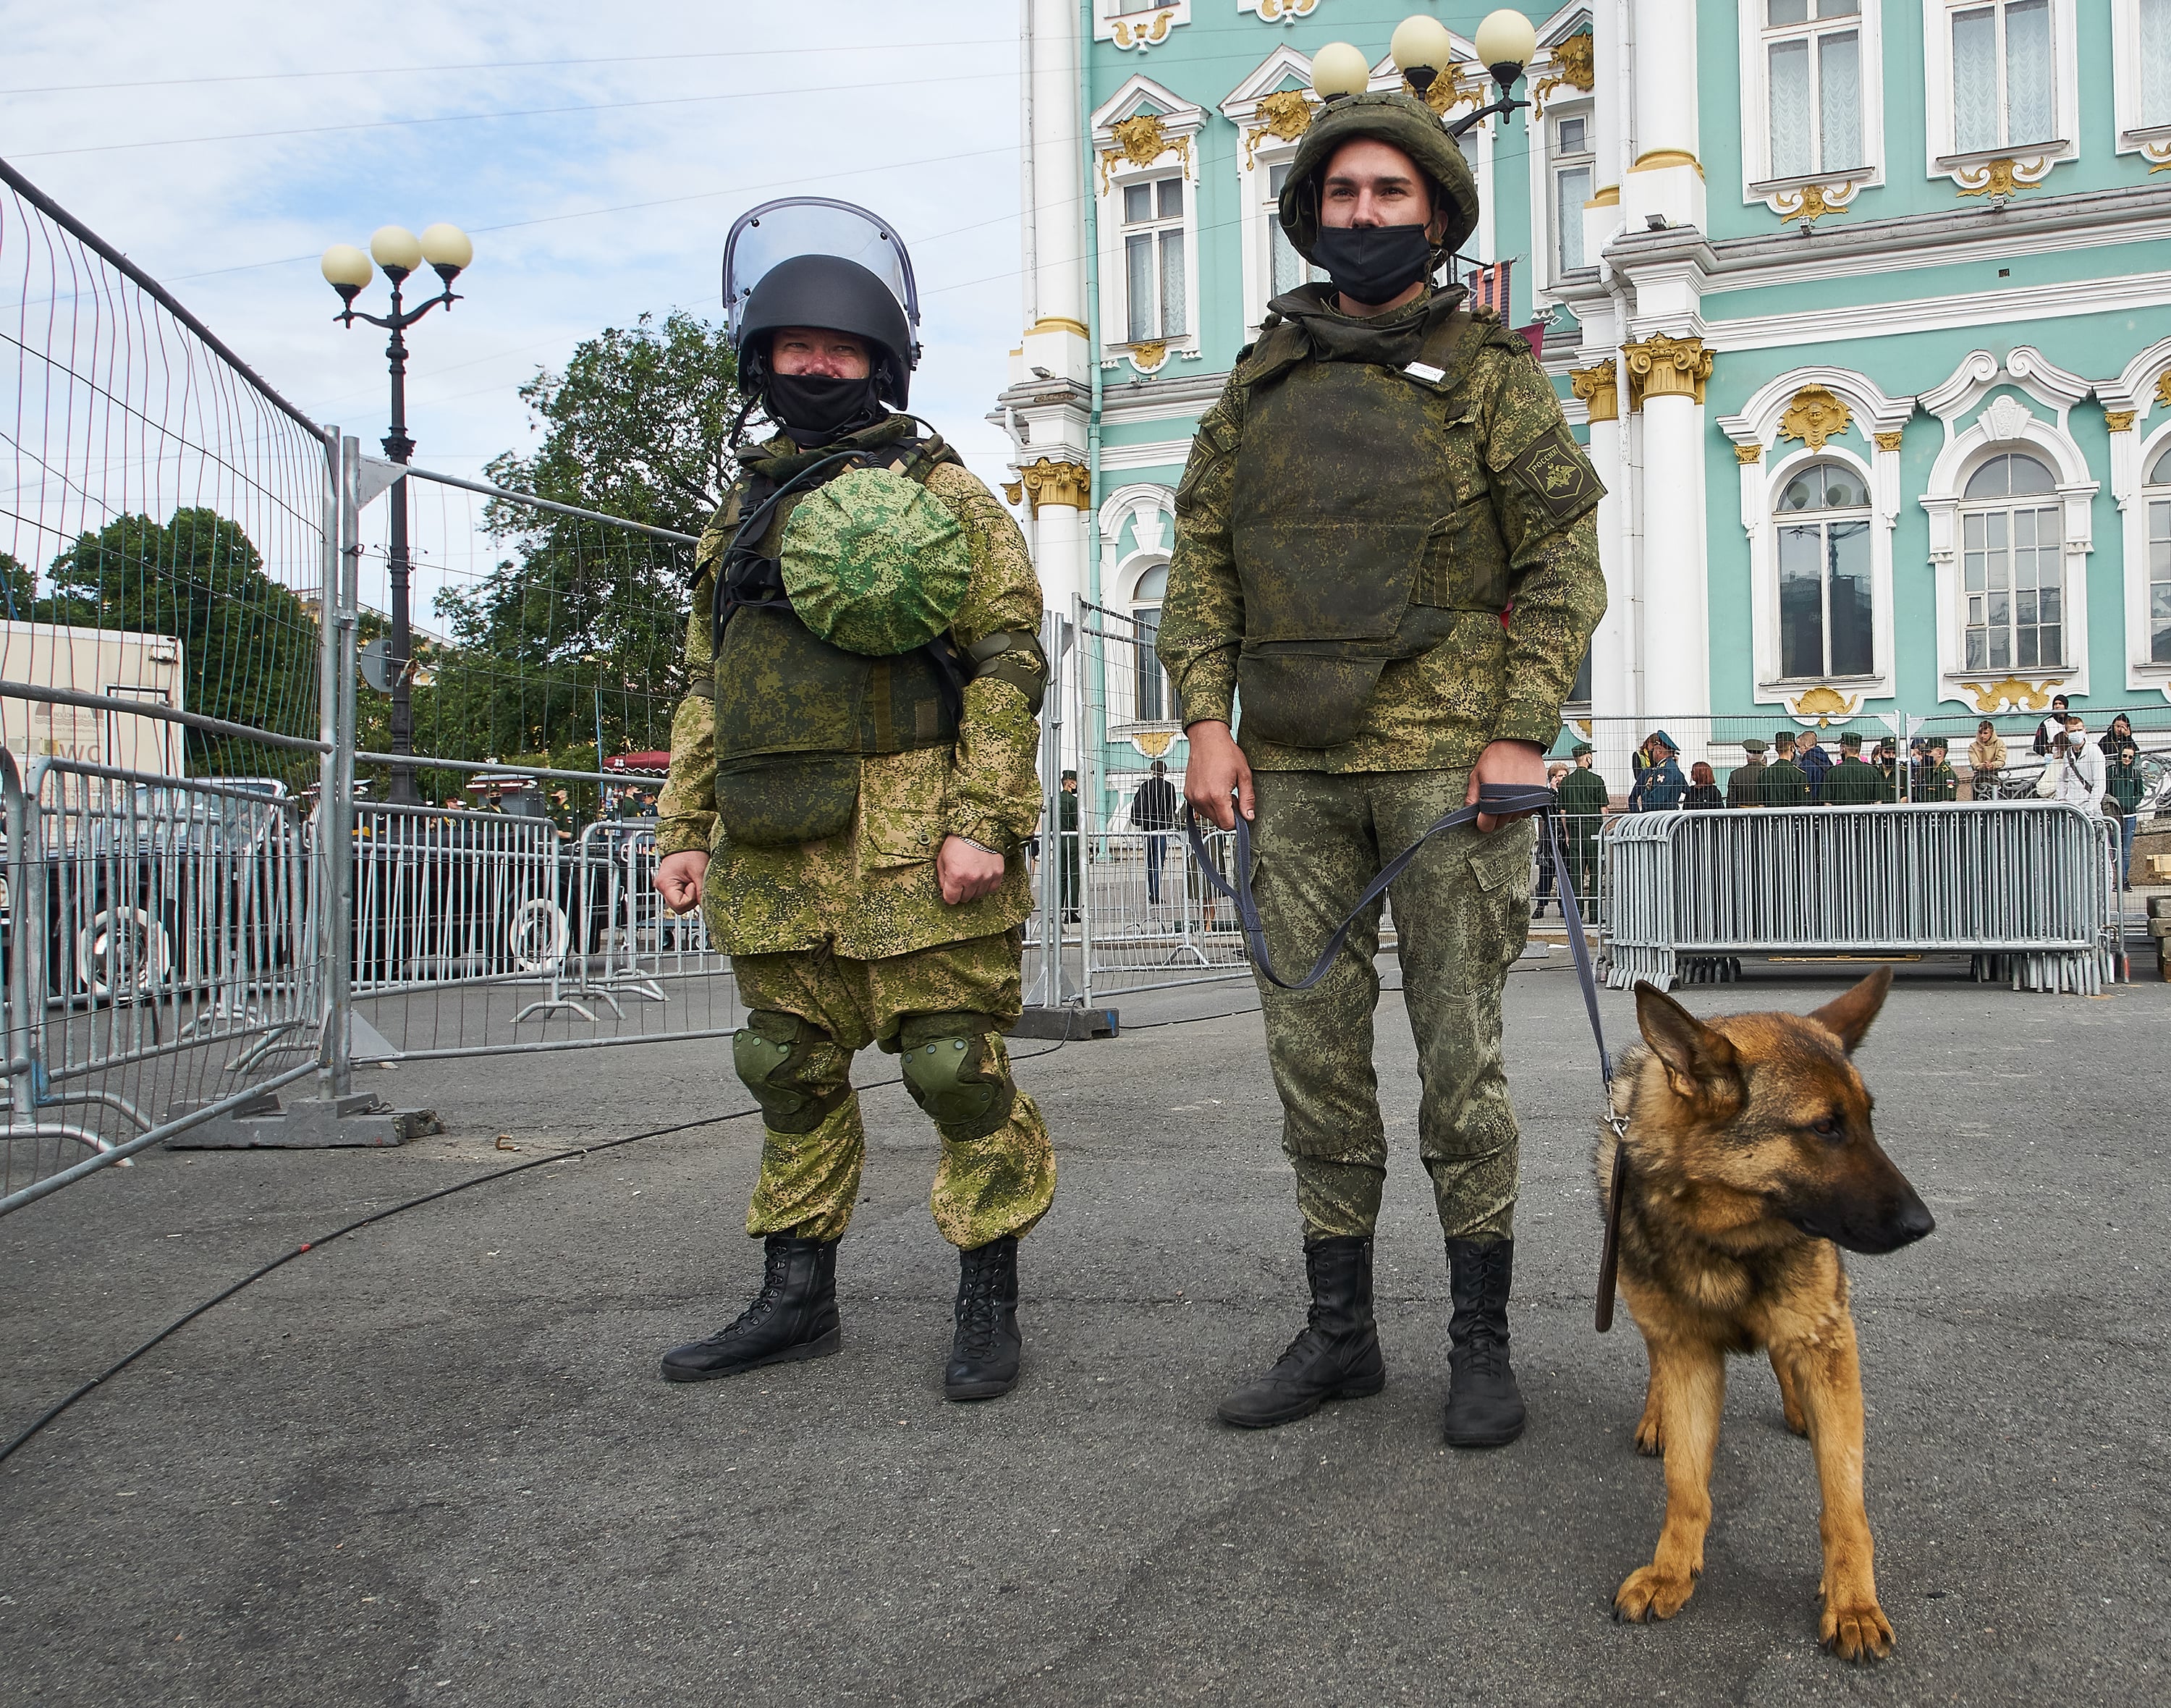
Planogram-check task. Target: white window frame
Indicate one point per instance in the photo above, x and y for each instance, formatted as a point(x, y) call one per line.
point(1156, 229)
point(1180, 123)
point(1778, 460)
point(1138, 25)
point(2133, 393)
point(1784, 194)
point(1256, 158)
point(2031, 162)
point(1135, 572)
point(1554, 217)
point(1794, 464)
point(2008, 507)
point(2015, 389)
point(2144, 651)
point(2151, 142)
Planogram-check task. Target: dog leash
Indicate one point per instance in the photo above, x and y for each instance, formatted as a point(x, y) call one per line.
point(1499, 800)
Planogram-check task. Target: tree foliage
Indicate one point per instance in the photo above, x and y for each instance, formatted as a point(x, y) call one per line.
point(582, 624)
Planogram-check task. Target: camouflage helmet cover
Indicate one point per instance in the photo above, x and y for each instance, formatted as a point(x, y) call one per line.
point(1402, 120)
point(873, 563)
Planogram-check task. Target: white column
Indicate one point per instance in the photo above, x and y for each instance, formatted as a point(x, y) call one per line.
point(1055, 244)
point(1670, 374)
point(1609, 57)
point(1598, 385)
point(1666, 176)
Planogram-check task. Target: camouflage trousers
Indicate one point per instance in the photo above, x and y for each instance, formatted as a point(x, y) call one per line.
point(985, 1186)
point(1462, 913)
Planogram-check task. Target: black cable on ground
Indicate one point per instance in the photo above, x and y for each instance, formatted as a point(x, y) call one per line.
point(309, 1245)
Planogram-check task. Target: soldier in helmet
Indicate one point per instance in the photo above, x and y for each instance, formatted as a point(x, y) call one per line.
point(1385, 474)
point(851, 779)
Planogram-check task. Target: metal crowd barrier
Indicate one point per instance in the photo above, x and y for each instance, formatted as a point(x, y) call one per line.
point(160, 961)
point(2028, 890)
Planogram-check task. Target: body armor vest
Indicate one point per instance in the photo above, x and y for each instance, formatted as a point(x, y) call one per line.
point(1364, 522)
point(796, 715)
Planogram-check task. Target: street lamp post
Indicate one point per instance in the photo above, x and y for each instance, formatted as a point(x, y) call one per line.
point(347, 270)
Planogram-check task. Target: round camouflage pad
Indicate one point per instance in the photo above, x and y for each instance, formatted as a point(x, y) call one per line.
point(875, 564)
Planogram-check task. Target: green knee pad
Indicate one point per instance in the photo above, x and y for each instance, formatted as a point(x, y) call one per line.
point(775, 1055)
point(954, 1076)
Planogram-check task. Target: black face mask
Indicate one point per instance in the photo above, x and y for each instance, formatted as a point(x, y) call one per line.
point(814, 409)
point(1373, 264)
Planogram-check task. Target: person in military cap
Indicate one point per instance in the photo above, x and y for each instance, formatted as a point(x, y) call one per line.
point(1784, 783)
point(1890, 772)
point(1852, 782)
point(1583, 797)
point(1744, 786)
point(1939, 781)
point(1066, 806)
point(851, 779)
point(1386, 474)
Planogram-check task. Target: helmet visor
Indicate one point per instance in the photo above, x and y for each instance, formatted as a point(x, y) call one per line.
point(799, 225)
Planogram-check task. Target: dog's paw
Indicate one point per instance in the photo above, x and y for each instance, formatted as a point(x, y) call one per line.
point(1649, 1441)
point(1648, 1594)
point(1857, 1630)
point(1796, 1423)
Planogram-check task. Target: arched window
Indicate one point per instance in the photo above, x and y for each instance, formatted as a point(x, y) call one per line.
point(2011, 543)
point(1826, 608)
point(1154, 697)
point(2159, 558)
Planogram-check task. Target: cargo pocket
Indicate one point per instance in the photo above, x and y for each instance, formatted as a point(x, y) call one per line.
point(904, 809)
point(781, 800)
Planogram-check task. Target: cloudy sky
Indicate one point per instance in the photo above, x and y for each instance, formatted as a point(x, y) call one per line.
point(597, 154)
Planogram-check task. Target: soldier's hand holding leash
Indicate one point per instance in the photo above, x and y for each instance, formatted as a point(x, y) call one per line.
point(1217, 770)
point(1520, 765)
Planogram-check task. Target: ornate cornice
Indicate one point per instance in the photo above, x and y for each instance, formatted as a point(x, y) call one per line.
point(1141, 141)
point(1279, 11)
point(1660, 366)
point(1599, 387)
point(2003, 176)
point(1145, 32)
point(2011, 693)
point(1813, 201)
point(1815, 415)
point(1050, 482)
point(1575, 65)
point(1284, 114)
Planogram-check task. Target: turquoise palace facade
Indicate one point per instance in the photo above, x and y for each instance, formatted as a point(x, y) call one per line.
point(1860, 307)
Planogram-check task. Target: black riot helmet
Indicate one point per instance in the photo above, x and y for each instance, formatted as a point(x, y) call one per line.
point(811, 261)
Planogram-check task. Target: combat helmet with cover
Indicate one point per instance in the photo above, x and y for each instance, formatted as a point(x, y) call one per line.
point(1384, 117)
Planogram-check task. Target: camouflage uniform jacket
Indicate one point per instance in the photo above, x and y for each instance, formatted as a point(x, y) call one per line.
point(1489, 680)
point(871, 891)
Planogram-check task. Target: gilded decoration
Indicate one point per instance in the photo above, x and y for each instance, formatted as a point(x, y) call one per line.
point(1013, 493)
point(1823, 704)
point(1888, 442)
point(1279, 11)
point(1815, 416)
point(1152, 743)
point(1746, 455)
point(1813, 201)
point(1660, 366)
point(1599, 387)
point(2000, 177)
point(1457, 86)
point(2010, 695)
point(2163, 388)
point(1143, 32)
point(1050, 482)
point(1575, 65)
point(1284, 115)
point(1148, 354)
point(1140, 140)
point(2120, 420)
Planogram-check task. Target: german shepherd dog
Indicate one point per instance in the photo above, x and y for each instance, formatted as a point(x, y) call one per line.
point(1750, 1162)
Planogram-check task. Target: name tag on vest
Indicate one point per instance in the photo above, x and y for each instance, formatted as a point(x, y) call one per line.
point(1426, 371)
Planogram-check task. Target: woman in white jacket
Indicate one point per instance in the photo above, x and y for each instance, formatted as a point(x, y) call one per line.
point(2078, 766)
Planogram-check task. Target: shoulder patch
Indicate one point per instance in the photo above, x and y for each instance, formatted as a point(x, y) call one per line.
point(1554, 470)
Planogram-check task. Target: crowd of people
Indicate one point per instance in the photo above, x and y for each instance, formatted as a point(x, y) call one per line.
point(2099, 774)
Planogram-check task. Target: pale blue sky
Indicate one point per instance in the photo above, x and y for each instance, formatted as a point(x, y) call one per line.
point(698, 111)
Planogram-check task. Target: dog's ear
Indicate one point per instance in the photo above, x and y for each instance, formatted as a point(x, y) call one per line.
point(1850, 1015)
point(1698, 1060)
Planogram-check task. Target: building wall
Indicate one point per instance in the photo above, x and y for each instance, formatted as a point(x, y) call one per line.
point(1934, 295)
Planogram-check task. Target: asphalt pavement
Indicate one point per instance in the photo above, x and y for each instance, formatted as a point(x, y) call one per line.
point(433, 1462)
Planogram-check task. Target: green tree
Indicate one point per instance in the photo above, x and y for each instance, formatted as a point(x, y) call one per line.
point(249, 648)
point(18, 589)
point(583, 622)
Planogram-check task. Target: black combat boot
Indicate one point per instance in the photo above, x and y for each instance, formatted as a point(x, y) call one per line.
point(793, 1317)
point(1338, 1355)
point(983, 1357)
point(1484, 1405)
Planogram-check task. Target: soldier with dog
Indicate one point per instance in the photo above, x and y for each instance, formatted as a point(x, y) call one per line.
point(1356, 595)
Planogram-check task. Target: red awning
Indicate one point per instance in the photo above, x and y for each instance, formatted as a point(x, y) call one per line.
point(638, 762)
